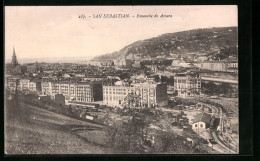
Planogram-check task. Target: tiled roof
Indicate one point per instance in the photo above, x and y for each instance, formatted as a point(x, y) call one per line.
point(202, 117)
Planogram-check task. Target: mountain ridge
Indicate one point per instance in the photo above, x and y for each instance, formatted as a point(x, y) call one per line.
point(216, 40)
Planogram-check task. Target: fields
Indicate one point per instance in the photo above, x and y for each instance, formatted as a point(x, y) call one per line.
point(30, 130)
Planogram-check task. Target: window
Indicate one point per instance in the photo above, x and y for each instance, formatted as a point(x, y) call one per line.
point(201, 125)
point(195, 125)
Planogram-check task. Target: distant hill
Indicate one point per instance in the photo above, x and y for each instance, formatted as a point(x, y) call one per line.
point(51, 60)
point(215, 42)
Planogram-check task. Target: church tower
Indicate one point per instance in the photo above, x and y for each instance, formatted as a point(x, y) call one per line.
point(14, 59)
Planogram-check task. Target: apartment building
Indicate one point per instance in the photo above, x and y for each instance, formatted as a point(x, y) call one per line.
point(80, 91)
point(187, 85)
point(11, 83)
point(215, 66)
point(150, 94)
point(46, 88)
point(26, 85)
point(116, 94)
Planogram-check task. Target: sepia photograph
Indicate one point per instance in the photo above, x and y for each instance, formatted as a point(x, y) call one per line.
point(159, 79)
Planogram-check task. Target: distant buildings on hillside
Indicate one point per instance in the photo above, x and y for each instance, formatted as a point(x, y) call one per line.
point(112, 81)
point(202, 62)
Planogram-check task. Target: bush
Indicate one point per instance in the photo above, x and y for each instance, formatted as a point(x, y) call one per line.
point(167, 142)
point(129, 136)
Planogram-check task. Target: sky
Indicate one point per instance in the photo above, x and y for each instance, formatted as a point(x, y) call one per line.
point(57, 31)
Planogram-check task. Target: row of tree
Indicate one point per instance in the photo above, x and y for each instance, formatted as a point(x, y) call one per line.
point(215, 89)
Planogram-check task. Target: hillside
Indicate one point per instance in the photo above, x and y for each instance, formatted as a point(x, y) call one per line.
point(217, 42)
point(31, 130)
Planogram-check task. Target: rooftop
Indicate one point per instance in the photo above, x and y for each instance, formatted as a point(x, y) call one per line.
point(202, 117)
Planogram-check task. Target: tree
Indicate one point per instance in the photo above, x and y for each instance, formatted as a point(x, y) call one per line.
point(210, 88)
point(168, 142)
point(132, 100)
point(128, 136)
point(226, 88)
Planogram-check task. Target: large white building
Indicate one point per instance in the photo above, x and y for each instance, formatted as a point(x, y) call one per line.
point(187, 85)
point(215, 66)
point(24, 84)
point(150, 94)
point(80, 91)
point(221, 66)
point(27, 85)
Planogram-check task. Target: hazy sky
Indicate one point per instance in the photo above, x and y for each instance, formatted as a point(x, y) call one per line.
point(44, 31)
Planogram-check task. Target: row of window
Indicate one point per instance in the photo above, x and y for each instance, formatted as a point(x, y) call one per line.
point(201, 125)
point(115, 89)
point(83, 99)
point(114, 98)
point(118, 93)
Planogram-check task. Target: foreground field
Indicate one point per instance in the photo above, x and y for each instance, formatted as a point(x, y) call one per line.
point(30, 130)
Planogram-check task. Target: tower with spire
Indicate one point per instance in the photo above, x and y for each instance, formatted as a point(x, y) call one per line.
point(14, 59)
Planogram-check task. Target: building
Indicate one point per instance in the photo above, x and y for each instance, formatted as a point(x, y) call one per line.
point(232, 70)
point(24, 85)
point(89, 92)
point(187, 85)
point(222, 66)
point(46, 88)
point(84, 92)
point(32, 86)
point(80, 91)
point(232, 66)
point(115, 94)
point(14, 62)
point(93, 78)
point(12, 83)
point(214, 65)
point(153, 68)
point(201, 58)
point(18, 69)
point(150, 94)
point(200, 122)
point(45, 98)
point(59, 99)
point(34, 68)
point(107, 63)
point(123, 63)
point(180, 63)
point(65, 88)
point(137, 64)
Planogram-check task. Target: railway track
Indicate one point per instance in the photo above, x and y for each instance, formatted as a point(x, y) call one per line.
point(230, 146)
point(221, 145)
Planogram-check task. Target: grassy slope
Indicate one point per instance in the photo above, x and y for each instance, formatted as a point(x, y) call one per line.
point(31, 130)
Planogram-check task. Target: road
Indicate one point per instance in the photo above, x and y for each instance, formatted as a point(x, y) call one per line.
point(219, 80)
